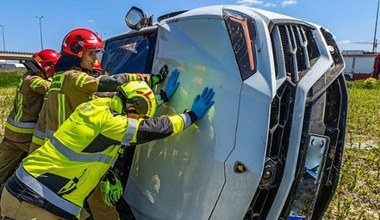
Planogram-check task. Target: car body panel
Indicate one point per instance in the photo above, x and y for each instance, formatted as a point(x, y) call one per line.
point(182, 165)
point(262, 122)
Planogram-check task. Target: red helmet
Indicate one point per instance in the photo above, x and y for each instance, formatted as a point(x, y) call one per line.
point(79, 40)
point(46, 60)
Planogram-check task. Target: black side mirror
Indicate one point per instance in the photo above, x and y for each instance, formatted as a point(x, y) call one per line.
point(137, 19)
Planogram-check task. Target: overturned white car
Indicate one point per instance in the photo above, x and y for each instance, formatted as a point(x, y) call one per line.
point(271, 146)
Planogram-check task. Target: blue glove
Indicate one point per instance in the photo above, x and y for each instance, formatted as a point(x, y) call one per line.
point(203, 102)
point(172, 85)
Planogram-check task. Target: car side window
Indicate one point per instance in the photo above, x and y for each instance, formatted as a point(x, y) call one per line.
point(130, 54)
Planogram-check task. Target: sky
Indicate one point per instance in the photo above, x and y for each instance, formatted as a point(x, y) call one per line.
point(351, 21)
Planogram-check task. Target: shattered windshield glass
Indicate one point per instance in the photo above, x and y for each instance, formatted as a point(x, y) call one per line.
point(129, 55)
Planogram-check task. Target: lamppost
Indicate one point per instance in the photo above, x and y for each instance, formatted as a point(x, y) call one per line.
point(40, 17)
point(374, 47)
point(2, 31)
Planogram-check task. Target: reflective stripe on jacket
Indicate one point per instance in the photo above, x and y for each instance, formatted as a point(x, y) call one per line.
point(46, 193)
point(71, 88)
point(68, 90)
point(20, 127)
point(39, 131)
point(87, 144)
point(26, 107)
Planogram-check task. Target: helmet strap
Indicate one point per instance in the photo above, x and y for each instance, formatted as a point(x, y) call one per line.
point(117, 104)
point(120, 103)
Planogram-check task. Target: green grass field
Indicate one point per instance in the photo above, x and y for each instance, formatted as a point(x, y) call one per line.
point(358, 193)
point(8, 82)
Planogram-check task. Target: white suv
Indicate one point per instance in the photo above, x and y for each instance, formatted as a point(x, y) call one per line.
point(271, 147)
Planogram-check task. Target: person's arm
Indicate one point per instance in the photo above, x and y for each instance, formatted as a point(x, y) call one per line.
point(39, 85)
point(164, 126)
point(110, 83)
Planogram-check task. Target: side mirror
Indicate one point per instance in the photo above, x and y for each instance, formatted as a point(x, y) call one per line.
point(137, 19)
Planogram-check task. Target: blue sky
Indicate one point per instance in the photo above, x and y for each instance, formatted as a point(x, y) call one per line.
point(349, 20)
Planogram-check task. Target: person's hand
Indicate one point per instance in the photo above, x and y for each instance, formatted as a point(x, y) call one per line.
point(116, 191)
point(202, 103)
point(172, 85)
point(105, 189)
point(111, 189)
point(161, 76)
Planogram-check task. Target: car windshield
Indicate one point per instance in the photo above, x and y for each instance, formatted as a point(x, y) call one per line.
point(129, 54)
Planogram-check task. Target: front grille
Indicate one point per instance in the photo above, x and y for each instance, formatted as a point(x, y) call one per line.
point(299, 49)
point(278, 143)
point(295, 55)
point(325, 115)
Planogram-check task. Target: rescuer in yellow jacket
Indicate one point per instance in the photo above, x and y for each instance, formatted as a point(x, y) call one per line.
point(54, 181)
point(73, 83)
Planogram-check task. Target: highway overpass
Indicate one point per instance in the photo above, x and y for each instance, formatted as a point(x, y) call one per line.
point(12, 55)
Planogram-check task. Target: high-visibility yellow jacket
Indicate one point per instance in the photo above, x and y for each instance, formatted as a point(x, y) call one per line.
point(73, 87)
point(26, 107)
point(68, 167)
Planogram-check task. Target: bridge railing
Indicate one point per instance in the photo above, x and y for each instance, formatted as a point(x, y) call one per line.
point(14, 55)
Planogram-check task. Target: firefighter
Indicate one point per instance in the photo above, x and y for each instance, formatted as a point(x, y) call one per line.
point(54, 181)
point(39, 131)
point(73, 84)
point(26, 107)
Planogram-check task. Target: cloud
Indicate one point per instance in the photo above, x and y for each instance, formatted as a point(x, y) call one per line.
point(344, 42)
point(288, 2)
point(268, 5)
point(250, 2)
point(90, 21)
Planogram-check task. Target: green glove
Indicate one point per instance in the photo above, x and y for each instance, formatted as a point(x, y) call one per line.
point(105, 189)
point(161, 76)
point(116, 191)
point(111, 188)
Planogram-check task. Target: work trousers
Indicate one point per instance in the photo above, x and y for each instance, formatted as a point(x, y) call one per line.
point(99, 210)
point(20, 210)
point(11, 154)
point(12, 208)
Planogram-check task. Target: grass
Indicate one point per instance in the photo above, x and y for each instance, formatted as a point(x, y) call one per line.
point(8, 83)
point(358, 192)
point(9, 79)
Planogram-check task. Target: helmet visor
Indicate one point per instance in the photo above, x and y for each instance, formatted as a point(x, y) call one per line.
point(98, 51)
point(139, 104)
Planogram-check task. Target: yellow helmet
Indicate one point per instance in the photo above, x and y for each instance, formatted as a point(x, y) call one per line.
point(139, 94)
